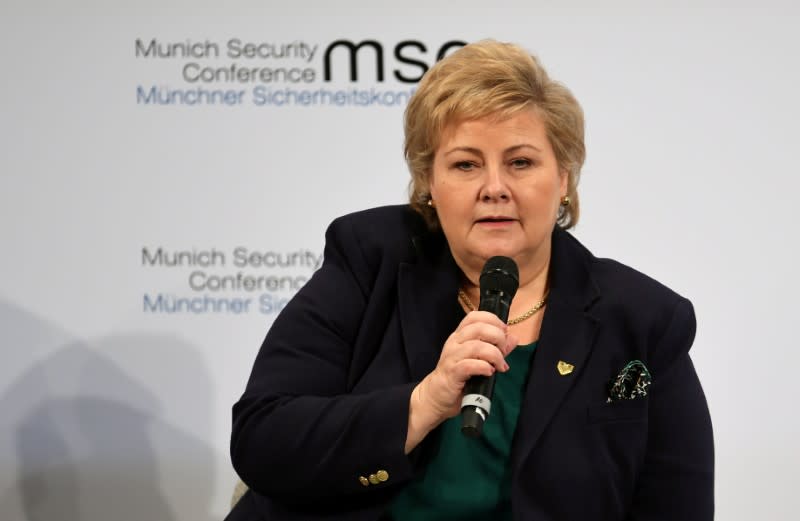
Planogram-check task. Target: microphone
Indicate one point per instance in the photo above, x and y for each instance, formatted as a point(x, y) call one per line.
point(499, 282)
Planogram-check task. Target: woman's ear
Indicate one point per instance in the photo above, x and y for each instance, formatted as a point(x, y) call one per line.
point(563, 182)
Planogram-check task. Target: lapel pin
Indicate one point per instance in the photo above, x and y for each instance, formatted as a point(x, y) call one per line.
point(564, 368)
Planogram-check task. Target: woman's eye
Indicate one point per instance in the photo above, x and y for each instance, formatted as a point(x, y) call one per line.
point(465, 166)
point(521, 163)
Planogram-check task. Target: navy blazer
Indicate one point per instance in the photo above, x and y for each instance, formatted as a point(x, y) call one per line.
point(327, 400)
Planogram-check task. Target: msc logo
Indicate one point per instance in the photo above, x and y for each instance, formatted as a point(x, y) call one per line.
point(408, 53)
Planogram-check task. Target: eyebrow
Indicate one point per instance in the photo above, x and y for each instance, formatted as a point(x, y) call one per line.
point(476, 151)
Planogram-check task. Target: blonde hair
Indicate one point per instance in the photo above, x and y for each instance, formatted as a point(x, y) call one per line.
point(482, 79)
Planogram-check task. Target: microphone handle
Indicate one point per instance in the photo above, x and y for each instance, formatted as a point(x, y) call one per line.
point(477, 402)
point(476, 405)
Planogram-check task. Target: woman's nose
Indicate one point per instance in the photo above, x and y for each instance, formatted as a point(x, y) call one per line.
point(494, 186)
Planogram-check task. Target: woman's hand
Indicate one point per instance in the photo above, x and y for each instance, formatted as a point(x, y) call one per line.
point(478, 346)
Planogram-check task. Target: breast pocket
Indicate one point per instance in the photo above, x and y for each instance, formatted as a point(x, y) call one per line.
point(619, 411)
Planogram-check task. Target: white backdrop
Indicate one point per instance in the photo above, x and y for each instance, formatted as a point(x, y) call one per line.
point(113, 407)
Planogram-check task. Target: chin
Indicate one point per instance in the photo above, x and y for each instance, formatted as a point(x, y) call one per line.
point(492, 248)
point(493, 251)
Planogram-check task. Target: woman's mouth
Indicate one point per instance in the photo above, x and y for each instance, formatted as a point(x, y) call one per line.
point(495, 221)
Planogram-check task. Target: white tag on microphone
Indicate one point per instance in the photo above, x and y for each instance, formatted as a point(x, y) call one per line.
point(481, 402)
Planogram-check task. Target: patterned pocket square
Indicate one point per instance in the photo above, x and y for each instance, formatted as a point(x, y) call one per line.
point(631, 383)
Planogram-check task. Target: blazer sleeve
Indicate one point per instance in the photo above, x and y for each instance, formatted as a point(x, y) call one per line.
point(677, 481)
point(298, 435)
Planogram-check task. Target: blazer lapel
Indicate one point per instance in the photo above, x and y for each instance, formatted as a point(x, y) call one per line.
point(567, 335)
point(429, 311)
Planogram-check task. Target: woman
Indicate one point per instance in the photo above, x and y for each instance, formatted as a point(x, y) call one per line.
point(351, 411)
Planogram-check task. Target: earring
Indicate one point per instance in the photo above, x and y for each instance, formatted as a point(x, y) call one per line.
point(431, 203)
point(565, 201)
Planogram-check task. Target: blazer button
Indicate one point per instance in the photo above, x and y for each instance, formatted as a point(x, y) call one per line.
point(364, 481)
point(382, 475)
point(373, 479)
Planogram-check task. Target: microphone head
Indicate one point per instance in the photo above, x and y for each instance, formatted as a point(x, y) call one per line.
point(500, 274)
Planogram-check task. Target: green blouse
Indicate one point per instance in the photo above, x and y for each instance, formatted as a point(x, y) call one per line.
point(470, 479)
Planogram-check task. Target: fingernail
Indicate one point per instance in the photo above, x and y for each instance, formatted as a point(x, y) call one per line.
point(507, 366)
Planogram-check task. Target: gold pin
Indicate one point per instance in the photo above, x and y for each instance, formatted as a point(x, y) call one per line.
point(564, 368)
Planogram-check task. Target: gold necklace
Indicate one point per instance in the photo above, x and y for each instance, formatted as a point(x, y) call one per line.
point(467, 304)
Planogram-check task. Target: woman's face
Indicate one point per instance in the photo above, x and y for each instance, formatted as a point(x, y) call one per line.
point(497, 187)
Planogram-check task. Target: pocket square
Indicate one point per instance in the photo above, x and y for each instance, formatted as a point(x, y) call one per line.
point(632, 382)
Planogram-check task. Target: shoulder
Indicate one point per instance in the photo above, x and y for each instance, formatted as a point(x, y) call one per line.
point(371, 244)
point(386, 232)
point(374, 223)
point(632, 302)
point(618, 281)
point(614, 280)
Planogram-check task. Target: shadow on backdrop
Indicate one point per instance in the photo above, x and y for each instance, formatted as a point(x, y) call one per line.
point(109, 429)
